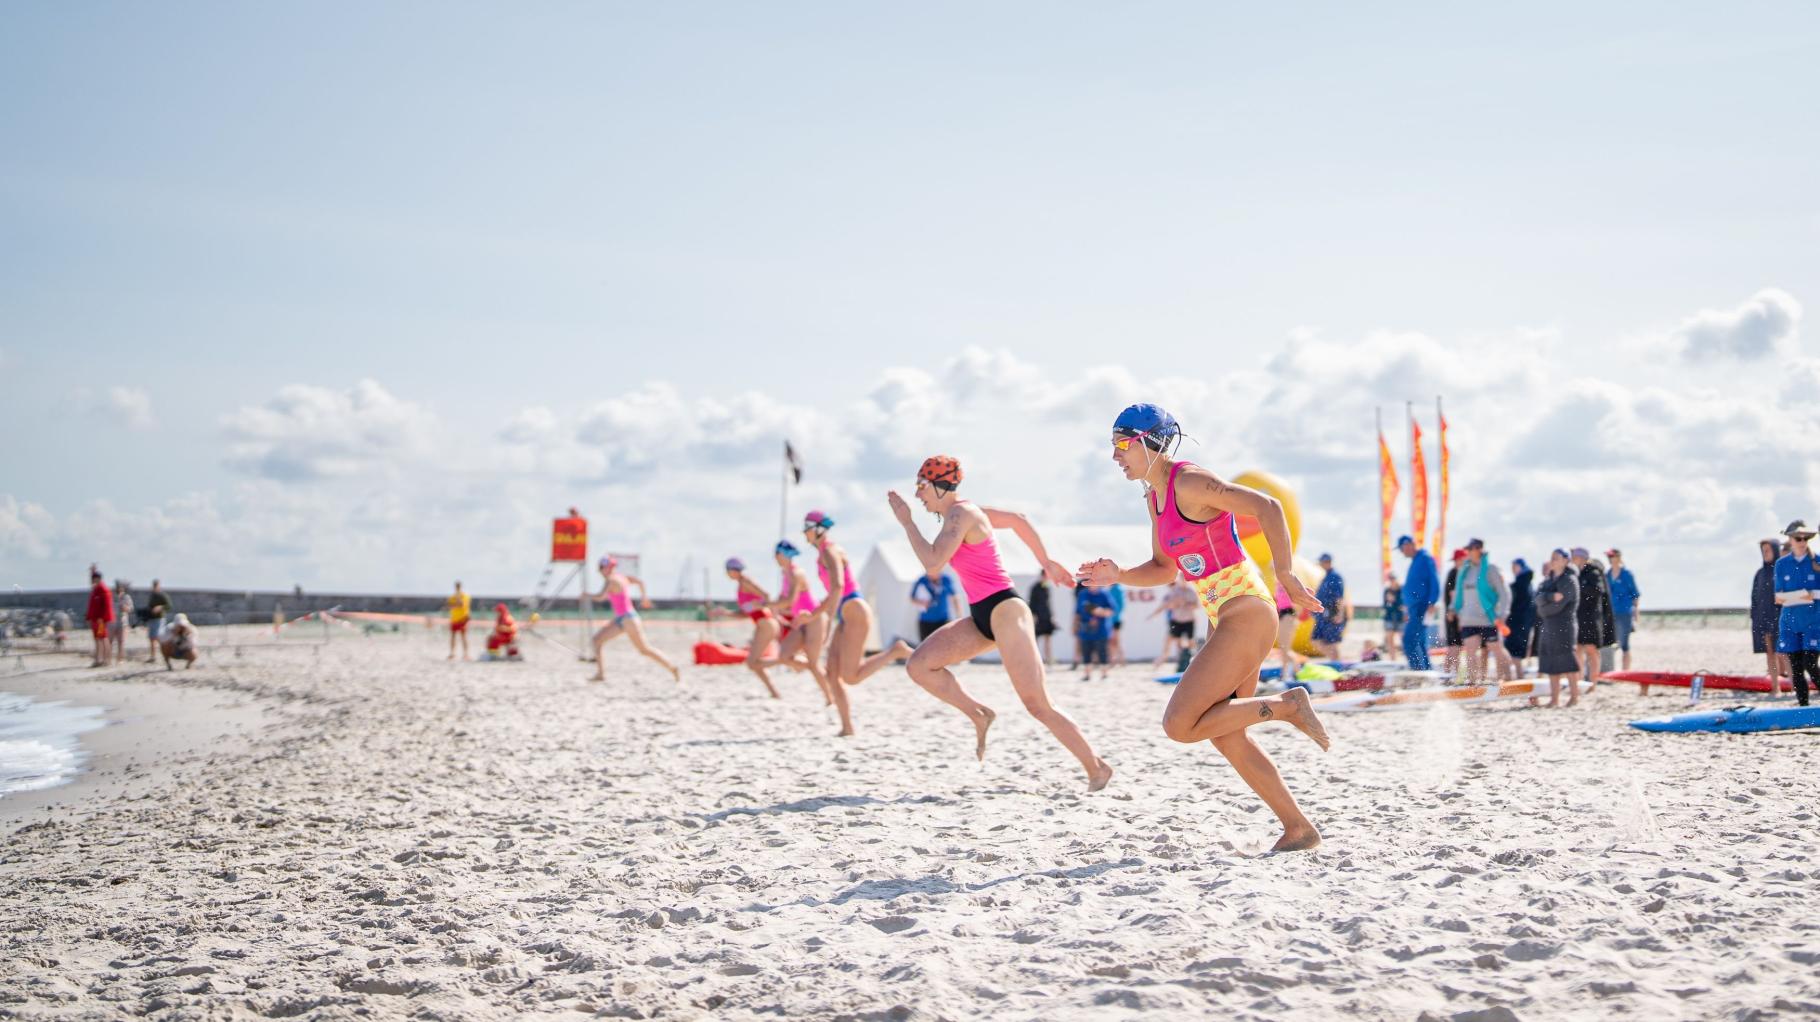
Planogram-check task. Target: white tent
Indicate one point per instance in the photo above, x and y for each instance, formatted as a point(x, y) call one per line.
point(892, 568)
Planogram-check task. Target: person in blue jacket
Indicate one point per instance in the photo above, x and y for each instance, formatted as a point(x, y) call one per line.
point(1421, 588)
point(1330, 623)
point(1115, 647)
point(1797, 587)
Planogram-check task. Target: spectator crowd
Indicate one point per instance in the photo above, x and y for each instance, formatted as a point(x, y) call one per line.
point(112, 613)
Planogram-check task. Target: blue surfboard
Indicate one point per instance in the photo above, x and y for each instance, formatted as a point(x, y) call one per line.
point(1736, 720)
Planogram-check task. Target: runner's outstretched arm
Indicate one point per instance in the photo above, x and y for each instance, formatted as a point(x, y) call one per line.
point(999, 518)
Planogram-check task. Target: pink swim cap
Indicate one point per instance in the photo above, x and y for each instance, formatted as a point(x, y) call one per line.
point(817, 519)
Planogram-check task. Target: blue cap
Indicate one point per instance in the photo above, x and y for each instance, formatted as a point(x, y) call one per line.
point(1405, 539)
point(1520, 562)
point(1325, 557)
point(787, 548)
point(1148, 419)
point(735, 564)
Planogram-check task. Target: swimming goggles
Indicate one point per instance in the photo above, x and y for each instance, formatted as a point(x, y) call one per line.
point(1123, 443)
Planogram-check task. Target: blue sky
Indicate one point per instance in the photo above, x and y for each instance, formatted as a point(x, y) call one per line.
point(489, 211)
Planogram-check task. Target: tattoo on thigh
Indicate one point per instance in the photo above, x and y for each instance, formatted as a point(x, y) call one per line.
point(1263, 709)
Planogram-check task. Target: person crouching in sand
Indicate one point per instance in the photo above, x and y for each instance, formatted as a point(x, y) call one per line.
point(1192, 531)
point(179, 642)
point(502, 644)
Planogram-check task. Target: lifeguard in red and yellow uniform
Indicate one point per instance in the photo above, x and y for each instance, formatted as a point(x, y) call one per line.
point(503, 643)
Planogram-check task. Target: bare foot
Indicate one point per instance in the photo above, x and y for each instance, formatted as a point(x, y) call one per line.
point(1100, 776)
point(1301, 714)
point(676, 675)
point(845, 732)
point(1298, 840)
point(598, 677)
point(1572, 702)
point(901, 650)
point(981, 722)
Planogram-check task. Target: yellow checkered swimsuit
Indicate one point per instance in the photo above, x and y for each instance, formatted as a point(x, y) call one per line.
point(1230, 583)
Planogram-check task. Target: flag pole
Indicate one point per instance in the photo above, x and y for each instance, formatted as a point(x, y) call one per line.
point(1383, 523)
point(783, 502)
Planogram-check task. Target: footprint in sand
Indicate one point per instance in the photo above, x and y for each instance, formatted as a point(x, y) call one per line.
point(891, 924)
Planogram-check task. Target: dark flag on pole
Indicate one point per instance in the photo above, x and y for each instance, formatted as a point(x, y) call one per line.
point(795, 463)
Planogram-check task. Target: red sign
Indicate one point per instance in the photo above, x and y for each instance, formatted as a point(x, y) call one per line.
point(569, 540)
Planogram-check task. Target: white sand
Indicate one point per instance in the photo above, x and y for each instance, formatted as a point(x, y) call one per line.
point(414, 839)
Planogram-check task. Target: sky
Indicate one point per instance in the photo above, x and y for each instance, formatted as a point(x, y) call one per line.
point(360, 296)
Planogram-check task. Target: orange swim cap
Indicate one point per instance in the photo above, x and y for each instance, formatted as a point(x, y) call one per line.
point(941, 470)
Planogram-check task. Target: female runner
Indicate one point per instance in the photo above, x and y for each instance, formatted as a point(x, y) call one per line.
point(852, 617)
point(997, 616)
point(616, 590)
point(1191, 511)
point(799, 645)
point(753, 602)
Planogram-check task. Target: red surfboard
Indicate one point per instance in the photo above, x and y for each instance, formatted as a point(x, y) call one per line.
point(1731, 682)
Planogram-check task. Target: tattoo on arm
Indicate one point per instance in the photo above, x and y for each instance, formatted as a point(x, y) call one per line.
point(1264, 710)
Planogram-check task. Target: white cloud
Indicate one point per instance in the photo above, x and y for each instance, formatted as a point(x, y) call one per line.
point(1556, 442)
point(310, 432)
point(131, 407)
point(26, 530)
point(1768, 323)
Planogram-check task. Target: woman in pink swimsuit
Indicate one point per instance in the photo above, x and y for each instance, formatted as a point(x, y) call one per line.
point(997, 615)
point(616, 591)
point(848, 663)
point(754, 602)
point(1191, 511)
point(799, 645)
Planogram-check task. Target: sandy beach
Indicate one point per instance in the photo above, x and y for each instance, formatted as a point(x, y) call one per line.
point(370, 831)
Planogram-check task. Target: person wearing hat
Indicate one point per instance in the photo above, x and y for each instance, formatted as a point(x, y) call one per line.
point(1596, 626)
point(100, 616)
point(1764, 612)
point(1521, 622)
point(1798, 625)
point(1330, 623)
point(502, 644)
point(1624, 595)
point(755, 603)
point(616, 592)
point(179, 642)
point(1450, 618)
point(1480, 603)
point(1421, 588)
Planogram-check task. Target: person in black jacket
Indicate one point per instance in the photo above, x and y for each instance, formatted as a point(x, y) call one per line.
point(1764, 614)
point(1450, 619)
point(1596, 625)
point(1045, 618)
point(1522, 618)
point(1557, 629)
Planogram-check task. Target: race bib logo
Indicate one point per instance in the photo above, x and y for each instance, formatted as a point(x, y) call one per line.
point(1194, 564)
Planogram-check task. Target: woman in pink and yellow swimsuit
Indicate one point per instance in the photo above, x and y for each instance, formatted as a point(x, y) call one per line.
point(848, 663)
point(617, 592)
point(1191, 511)
point(997, 616)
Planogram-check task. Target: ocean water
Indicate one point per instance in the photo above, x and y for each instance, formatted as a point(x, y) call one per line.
point(40, 744)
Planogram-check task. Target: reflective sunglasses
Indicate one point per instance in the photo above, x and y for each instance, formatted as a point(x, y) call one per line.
point(1123, 443)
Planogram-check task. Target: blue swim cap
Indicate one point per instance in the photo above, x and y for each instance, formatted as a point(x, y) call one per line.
point(787, 548)
point(735, 564)
point(1157, 425)
point(1405, 539)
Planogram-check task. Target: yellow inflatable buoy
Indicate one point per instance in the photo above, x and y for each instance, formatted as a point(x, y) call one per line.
point(1251, 534)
